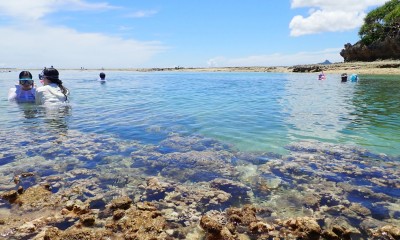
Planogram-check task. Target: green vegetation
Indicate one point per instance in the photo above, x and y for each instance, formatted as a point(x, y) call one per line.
point(381, 23)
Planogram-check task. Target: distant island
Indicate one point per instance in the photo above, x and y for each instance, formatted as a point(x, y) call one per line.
point(325, 62)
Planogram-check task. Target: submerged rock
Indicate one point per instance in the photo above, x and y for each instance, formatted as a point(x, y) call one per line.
point(91, 187)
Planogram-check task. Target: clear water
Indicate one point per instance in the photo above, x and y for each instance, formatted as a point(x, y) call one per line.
point(250, 111)
point(284, 140)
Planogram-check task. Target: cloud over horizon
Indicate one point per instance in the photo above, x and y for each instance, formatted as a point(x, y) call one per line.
point(31, 42)
point(90, 50)
point(277, 59)
point(95, 34)
point(330, 15)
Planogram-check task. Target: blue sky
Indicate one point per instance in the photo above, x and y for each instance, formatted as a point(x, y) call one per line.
point(171, 33)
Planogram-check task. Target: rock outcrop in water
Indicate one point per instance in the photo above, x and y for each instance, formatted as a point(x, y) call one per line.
point(389, 48)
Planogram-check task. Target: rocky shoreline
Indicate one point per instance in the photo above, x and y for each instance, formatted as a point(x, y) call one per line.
point(386, 67)
point(88, 186)
point(383, 67)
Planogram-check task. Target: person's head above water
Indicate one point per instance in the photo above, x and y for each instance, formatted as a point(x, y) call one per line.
point(51, 75)
point(25, 75)
point(25, 80)
point(102, 75)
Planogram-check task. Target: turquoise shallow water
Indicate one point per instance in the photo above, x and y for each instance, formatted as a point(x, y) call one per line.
point(251, 111)
point(199, 143)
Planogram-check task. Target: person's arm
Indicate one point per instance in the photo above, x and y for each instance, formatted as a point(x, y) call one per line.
point(12, 94)
point(38, 97)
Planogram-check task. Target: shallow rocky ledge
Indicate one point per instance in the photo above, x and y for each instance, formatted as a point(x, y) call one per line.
point(379, 67)
point(386, 67)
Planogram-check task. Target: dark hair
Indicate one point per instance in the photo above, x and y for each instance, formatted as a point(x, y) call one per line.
point(102, 75)
point(52, 75)
point(25, 74)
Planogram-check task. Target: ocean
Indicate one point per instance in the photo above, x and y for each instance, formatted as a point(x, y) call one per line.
point(272, 131)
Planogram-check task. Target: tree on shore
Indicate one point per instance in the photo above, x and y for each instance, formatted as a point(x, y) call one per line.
point(381, 23)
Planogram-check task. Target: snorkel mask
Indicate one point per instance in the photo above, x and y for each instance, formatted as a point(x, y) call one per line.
point(25, 81)
point(41, 75)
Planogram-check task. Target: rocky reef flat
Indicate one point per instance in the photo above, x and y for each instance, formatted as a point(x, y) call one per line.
point(380, 67)
point(73, 185)
point(384, 67)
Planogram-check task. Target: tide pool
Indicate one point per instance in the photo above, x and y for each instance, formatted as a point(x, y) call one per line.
point(178, 147)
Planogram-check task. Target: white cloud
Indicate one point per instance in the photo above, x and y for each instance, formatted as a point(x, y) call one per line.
point(31, 43)
point(278, 59)
point(330, 15)
point(143, 14)
point(28, 10)
point(68, 48)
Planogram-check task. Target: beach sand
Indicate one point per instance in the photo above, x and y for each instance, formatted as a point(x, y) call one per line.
point(387, 67)
point(384, 67)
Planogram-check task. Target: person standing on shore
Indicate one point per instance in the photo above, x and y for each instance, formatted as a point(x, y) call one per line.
point(25, 91)
point(52, 92)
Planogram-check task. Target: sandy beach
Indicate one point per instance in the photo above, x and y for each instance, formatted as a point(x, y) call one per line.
point(387, 67)
point(384, 67)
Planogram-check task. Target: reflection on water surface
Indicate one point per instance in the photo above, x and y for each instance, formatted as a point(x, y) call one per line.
point(187, 147)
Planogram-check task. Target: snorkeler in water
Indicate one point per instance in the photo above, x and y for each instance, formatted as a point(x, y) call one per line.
point(25, 90)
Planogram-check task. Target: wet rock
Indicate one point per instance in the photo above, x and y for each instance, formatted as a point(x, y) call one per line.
point(215, 230)
point(389, 230)
point(27, 174)
point(360, 210)
point(243, 216)
point(199, 196)
point(369, 225)
point(311, 201)
point(343, 184)
point(201, 166)
point(307, 68)
point(11, 196)
point(69, 205)
point(28, 227)
point(54, 233)
point(120, 203)
point(118, 214)
point(342, 228)
point(304, 227)
point(34, 197)
point(146, 206)
point(176, 142)
point(260, 227)
point(381, 210)
point(330, 235)
point(341, 232)
point(138, 224)
point(226, 234)
point(78, 207)
point(16, 179)
point(156, 190)
point(20, 190)
point(210, 225)
point(236, 189)
point(386, 47)
point(87, 220)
